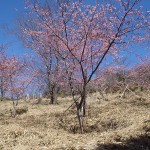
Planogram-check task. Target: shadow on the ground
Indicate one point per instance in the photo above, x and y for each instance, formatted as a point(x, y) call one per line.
point(140, 143)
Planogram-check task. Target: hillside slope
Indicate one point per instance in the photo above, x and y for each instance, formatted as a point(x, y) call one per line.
point(122, 124)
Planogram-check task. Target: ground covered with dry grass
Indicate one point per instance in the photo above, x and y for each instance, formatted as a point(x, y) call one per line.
point(113, 124)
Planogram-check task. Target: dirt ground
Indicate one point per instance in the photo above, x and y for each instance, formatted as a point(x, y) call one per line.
point(112, 124)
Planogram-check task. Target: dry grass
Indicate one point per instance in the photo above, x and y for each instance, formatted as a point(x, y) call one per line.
point(116, 124)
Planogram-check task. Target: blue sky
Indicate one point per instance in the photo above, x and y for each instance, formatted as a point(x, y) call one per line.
point(10, 9)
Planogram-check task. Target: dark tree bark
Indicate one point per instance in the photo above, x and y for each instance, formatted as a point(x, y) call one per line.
point(2, 95)
point(81, 108)
point(53, 94)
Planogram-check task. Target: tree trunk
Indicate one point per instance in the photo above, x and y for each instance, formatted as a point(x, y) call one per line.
point(80, 118)
point(84, 102)
point(81, 109)
point(13, 111)
point(123, 94)
point(53, 96)
point(2, 95)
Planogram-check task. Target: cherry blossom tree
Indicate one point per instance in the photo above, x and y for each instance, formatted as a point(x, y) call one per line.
point(3, 83)
point(110, 79)
point(82, 36)
point(44, 61)
point(140, 75)
point(12, 75)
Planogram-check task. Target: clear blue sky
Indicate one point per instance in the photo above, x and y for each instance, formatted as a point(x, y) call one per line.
point(10, 9)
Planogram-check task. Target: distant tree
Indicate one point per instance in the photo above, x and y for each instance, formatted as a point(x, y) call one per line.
point(140, 75)
point(14, 78)
point(3, 78)
point(45, 61)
